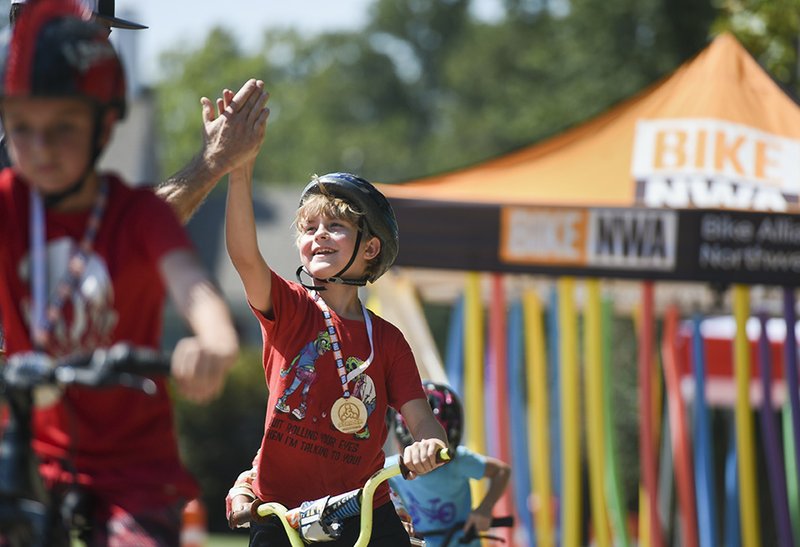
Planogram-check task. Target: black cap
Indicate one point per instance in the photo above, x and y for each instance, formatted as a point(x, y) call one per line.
point(104, 13)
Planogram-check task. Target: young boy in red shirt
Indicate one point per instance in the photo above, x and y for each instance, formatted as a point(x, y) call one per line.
point(331, 367)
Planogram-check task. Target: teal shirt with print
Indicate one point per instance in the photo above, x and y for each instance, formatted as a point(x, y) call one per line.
point(442, 497)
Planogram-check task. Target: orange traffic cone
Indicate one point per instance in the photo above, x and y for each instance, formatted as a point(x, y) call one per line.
point(194, 532)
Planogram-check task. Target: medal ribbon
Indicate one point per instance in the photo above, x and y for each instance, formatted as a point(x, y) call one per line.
point(337, 351)
point(45, 314)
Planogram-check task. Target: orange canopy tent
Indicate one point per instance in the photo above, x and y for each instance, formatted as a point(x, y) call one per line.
point(706, 161)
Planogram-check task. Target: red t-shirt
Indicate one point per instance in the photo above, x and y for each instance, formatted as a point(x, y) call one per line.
point(118, 439)
point(303, 456)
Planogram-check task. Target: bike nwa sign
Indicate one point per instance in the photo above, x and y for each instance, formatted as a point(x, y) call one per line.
point(726, 246)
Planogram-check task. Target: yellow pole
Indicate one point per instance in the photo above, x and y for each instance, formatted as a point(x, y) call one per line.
point(538, 421)
point(748, 492)
point(593, 366)
point(570, 414)
point(473, 372)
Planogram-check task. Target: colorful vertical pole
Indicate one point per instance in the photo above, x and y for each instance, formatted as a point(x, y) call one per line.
point(454, 360)
point(748, 491)
point(703, 461)
point(473, 371)
point(538, 422)
point(613, 489)
point(649, 463)
point(593, 365)
point(554, 387)
point(792, 418)
point(570, 414)
point(732, 522)
point(791, 471)
point(679, 431)
point(520, 425)
point(772, 453)
point(499, 369)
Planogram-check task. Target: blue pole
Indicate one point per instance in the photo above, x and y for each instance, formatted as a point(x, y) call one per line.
point(519, 420)
point(704, 467)
point(454, 359)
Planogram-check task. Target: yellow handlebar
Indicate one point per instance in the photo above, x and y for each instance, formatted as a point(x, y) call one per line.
point(367, 495)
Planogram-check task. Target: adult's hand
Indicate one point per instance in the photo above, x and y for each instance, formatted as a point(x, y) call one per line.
point(234, 130)
point(232, 136)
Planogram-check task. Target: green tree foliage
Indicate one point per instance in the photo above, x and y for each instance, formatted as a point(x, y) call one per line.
point(426, 87)
point(770, 30)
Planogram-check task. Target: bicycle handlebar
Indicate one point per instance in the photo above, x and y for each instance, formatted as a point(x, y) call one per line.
point(471, 534)
point(291, 518)
point(119, 365)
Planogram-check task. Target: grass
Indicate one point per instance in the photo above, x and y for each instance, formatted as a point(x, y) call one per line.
point(227, 540)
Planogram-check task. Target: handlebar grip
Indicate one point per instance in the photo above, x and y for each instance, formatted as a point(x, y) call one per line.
point(247, 515)
point(138, 360)
point(240, 518)
point(443, 456)
point(502, 522)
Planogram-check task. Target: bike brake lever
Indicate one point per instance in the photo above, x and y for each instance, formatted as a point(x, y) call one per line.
point(139, 383)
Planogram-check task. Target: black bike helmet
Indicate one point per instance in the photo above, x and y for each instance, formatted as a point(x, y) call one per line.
point(447, 410)
point(378, 216)
point(56, 51)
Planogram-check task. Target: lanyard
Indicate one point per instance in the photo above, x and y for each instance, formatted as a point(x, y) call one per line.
point(344, 376)
point(44, 314)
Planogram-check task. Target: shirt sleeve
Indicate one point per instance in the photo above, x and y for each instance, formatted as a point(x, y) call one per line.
point(472, 464)
point(156, 220)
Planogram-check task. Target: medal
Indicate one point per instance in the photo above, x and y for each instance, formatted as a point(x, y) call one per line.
point(348, 414)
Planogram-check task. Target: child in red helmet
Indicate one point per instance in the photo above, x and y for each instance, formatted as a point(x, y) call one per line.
point(86, 262)
point(441, 498)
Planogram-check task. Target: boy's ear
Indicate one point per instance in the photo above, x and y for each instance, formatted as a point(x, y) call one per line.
point(372, 248)
point(110, 117)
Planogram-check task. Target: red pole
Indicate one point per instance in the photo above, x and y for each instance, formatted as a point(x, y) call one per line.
point(649, 461)
point(497, 337)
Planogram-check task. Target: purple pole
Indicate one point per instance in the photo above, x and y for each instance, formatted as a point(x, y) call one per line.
point(790, 371)
point(776, 476)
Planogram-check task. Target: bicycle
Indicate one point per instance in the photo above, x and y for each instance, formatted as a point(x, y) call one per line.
point(322, 519)
point(471, 535)
point(28, 512)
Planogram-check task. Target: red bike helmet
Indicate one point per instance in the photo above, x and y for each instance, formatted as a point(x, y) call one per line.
point(56, 51)
point(447, 410)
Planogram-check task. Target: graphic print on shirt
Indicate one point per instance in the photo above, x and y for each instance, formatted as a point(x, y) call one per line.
point(305, 372)
point(435, 511)
point(87, 318)
point(364, 389)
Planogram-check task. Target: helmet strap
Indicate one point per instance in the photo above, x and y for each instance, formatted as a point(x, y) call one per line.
point(336, 278)
point(302, 270)
point(352, 257)
point(51, 200)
